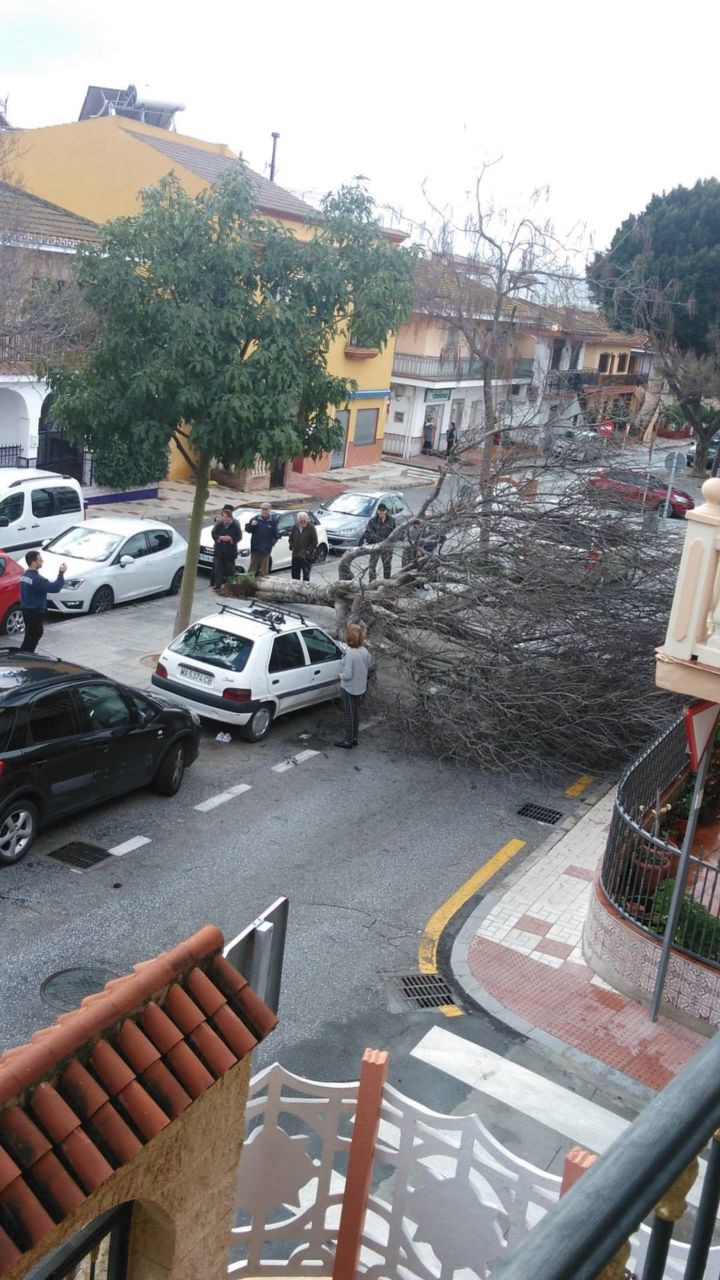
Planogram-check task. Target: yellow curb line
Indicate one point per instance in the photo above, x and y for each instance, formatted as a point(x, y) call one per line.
point(427, 952)
point(580, 785)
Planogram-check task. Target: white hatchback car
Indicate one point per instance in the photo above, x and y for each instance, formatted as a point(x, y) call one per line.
point(281, 556)
point(248, 664)
point(112, 560)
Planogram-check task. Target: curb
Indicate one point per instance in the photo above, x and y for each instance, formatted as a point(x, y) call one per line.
point(456, 961)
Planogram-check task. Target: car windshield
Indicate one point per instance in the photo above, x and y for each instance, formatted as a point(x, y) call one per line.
point(217, 648)
point(82, 543)
point(351, 504)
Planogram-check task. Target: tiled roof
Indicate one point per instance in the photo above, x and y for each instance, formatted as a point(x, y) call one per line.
point(86, 1094)
point(210, 164)
point(25, 217)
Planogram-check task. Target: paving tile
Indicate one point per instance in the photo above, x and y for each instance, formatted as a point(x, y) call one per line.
point(582, 873)
point(551, 947)
point(533, 924)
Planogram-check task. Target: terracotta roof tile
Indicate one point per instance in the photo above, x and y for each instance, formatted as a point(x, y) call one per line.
point(86, 1094)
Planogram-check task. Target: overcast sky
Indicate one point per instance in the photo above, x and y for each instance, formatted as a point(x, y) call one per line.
point(605, 103)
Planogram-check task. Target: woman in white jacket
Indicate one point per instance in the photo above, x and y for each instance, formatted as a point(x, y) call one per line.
point(353, 683)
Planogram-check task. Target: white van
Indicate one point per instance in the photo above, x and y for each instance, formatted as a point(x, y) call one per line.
point(36, 505)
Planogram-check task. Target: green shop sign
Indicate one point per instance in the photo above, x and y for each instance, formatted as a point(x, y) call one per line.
point(433, 397)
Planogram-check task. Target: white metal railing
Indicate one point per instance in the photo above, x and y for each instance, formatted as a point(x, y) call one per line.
point(446, 1196)
point(693, 632)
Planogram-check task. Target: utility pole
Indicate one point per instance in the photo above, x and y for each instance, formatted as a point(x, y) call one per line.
point(275, 137)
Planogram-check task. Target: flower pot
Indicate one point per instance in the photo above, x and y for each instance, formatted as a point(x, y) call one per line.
point(648, 876)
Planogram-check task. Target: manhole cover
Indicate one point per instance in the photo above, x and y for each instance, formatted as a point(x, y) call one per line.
point(79, 855)
point(540, 813)
point(67, 988)
point(425, 990)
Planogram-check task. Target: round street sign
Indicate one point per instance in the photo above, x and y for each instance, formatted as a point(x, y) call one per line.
point(606, 428)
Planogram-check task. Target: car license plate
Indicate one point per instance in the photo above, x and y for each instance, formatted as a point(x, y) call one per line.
point(200, 677)
point(205, 555)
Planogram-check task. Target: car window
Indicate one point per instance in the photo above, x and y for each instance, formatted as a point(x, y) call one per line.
point(215, 647)
point(53, 716)
point(352, 504)
point(11, 507)
point(3, 565)
point(145, 707)
point(105, 706)
point(313, 518)
point(287, 653)
point(84, 543)
point(67, 500)
point(42, 502)
point(136, 547)
point(159, 539)
point(285, 523)
point(319, 646)
point(7, 720)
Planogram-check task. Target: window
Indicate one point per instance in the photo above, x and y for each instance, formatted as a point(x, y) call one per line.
point(159, 539)
point(604, 363)
point(53, 717)
point(398, 417)
point(85, 544)
point(285, 524)
point(366, 421)
point(622, 363)
point(66, 500)
point(11, 508)
point(7, 720)
point(42, 502)
point(146, 710)
point(287, 654)
point(136, 547)
point(105, 706)
point(320, 647)
point(216, 648)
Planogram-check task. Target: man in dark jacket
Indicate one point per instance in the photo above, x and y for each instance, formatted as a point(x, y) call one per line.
point(303, 546)
point(379, 527)
point(226, 535)
point(263, 536)
point(34, 590)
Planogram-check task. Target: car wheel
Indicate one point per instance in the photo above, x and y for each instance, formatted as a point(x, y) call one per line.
point(176, 583)
point(13, 624)
point(258, 724)
point(102, 600)
point(322, 553)
point(168, 779)
point(18, 827)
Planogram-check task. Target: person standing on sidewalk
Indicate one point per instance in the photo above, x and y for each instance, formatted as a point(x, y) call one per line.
point(428, 437)
point(226, 535)
point(353, 683)
point(34, 591)
point(263, 536)
point(303, 546)
point(450, 440)
point(379, 527)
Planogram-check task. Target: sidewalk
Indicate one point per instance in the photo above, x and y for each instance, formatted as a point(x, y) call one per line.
point(175, 497)
point(519, 955)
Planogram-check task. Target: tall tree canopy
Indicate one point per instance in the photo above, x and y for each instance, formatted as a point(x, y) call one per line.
point(662, 270)
point(213, 326)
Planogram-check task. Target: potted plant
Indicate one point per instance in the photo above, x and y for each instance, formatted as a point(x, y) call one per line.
point(651, 866)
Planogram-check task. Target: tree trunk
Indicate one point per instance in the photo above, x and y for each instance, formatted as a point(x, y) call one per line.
point(485, 478)
point(187, 590)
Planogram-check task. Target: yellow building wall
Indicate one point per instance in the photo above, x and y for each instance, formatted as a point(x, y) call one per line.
point(615, 348)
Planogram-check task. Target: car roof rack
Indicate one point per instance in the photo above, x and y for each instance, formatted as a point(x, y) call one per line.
point(269, 613)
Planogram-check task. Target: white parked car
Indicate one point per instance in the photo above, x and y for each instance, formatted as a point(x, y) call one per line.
point(110, 560)
point(36, 505)
point(247, 664)
point(281, 556)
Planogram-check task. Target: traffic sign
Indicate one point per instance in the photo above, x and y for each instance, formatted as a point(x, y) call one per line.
point(674, 458)
point(700, 723)
point(606, 428)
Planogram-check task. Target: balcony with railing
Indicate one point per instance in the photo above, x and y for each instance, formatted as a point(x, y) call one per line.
point(455, 369)
point(578, 380)
point(19, 350)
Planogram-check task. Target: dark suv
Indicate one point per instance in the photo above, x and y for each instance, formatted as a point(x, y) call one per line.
point(71, 738)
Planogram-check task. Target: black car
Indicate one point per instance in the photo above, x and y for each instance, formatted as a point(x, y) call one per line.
point(71, 738)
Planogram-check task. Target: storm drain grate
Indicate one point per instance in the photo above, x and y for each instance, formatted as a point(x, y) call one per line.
point(79, 855)
point(425, 990)
point(540, 813)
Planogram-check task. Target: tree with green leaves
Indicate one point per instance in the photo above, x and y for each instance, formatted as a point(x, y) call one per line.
point(661, 273)
point(212, 329)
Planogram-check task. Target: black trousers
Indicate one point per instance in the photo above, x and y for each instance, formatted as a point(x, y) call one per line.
point(34, 627)
point(351, 709)
point(223, 566)
point(386, 558)
point(300, 567)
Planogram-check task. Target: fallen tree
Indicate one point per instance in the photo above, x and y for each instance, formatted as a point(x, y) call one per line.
point(537, 651)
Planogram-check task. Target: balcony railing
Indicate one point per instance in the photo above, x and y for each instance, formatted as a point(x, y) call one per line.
point(22, 349)
point(585, 379)
point(454, 369)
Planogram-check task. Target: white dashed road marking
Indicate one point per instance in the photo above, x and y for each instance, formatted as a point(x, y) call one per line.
point(293, 760)
point(128, 845)
point(222, 797)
